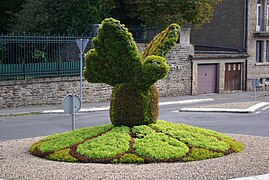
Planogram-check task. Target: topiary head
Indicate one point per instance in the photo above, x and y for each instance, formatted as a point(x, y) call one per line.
point(154, 68)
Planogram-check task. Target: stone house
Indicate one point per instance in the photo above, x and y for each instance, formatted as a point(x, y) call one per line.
point(240, 26)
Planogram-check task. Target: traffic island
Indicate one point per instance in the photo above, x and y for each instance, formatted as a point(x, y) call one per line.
point(159, 142)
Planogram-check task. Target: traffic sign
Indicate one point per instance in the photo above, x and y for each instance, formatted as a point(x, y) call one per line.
point(82, 44)
point(71, 104)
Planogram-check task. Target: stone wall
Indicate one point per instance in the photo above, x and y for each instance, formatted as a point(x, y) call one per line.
point(52, 90)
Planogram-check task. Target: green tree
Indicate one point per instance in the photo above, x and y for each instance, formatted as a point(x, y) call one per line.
point(115, 60)
point(60, 16)
point(7, 7)
point(160, 13)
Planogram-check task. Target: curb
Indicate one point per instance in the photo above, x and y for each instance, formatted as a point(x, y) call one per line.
point(259, 177)
point(250, 109)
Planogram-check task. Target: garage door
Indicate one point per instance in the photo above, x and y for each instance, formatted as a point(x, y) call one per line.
point(207, 78)
point(233, 79)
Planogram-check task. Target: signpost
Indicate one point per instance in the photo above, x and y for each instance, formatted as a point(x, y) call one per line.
point(82, 44)
point(255, 83)
point(71, 104)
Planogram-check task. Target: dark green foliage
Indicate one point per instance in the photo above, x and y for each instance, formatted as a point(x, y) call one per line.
point(115, 61)
point(161, 13)
point(139, 144)
point(115, 58)
point(198, 154)
point(7, 7)
point(130, 106)
point(60, 16)
point(154, 68)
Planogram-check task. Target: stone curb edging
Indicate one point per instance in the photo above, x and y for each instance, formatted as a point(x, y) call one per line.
point(250, 109)
point(259, 177)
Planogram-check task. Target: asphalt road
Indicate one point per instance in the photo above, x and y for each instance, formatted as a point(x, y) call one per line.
point(45, 124)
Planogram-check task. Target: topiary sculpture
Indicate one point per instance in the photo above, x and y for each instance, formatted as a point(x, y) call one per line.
point(115, 60)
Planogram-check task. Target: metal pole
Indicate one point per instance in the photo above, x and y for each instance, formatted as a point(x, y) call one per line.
point(73, 112)
point(81, 66)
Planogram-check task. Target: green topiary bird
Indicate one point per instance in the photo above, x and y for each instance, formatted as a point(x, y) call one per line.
point(115, 60)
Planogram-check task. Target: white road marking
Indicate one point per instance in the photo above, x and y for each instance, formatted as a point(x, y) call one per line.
point(258, 112)
point(267, 107)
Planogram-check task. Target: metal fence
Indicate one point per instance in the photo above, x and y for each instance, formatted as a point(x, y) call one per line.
point(26, 57)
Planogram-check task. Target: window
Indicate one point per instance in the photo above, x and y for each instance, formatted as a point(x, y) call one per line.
point(267, 51)
point(267, 17)
point(259, 51)
point(259, 16)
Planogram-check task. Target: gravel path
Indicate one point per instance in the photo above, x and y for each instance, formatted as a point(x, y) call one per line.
point(17, 163)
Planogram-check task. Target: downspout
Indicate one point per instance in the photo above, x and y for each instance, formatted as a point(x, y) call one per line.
point(245, 26)
point(245, 36)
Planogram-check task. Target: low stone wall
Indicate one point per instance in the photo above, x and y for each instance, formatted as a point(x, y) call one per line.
point(19, 93)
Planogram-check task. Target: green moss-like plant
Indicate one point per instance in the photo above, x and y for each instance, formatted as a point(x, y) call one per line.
point(139, 144)
point(62, 156)
point(235, 146)
point(129, 158)
point(198, 154)
point(108, 145)
point(115, 60)
point(157, 146)
point(59, 141)
point(197, 137)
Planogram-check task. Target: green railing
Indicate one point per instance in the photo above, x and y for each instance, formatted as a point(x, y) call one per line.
point(39, 70)
point(27, 57)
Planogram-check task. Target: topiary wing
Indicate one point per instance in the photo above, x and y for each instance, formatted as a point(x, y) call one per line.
point(115, 58)
point(162, 44)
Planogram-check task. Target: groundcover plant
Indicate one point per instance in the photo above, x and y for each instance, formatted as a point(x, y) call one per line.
point(135, 135)
point(159, 142)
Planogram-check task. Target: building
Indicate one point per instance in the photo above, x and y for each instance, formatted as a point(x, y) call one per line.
point(236, 42)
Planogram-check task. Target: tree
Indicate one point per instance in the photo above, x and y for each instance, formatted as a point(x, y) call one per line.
point(60, 16)
point(7, 7)
point(115, 60)
point(160, 13)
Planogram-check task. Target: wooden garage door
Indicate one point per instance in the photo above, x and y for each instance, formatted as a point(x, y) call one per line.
point(233, 79)
point(207, 78)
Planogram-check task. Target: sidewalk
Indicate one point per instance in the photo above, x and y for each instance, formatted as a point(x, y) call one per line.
point(180, 100)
